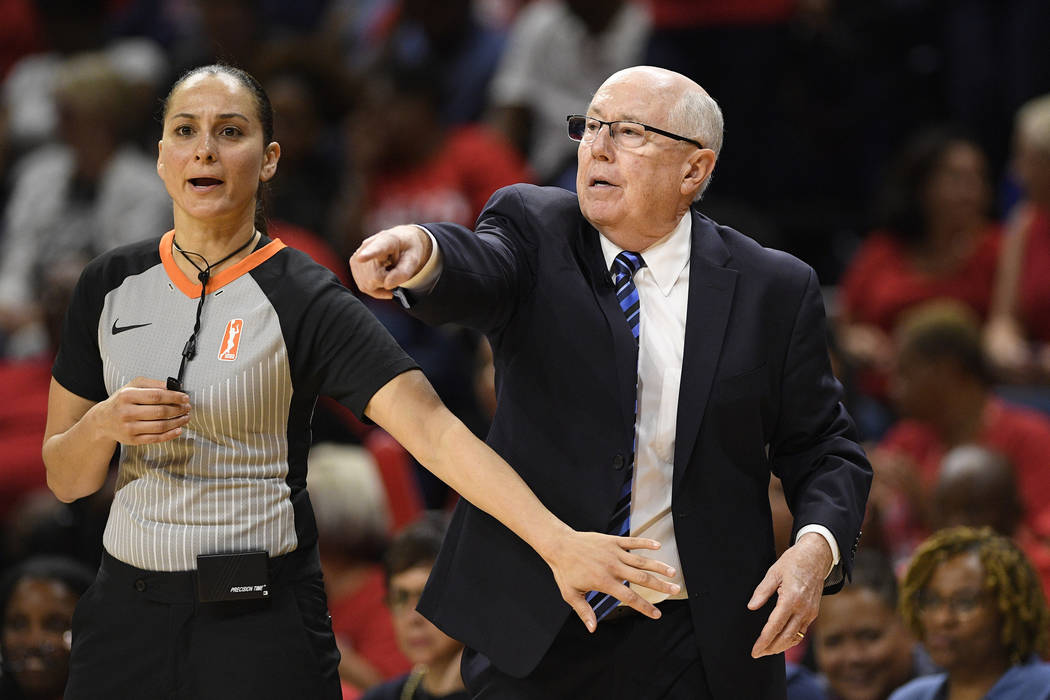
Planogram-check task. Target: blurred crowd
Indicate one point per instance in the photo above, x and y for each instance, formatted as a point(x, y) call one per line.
point(900, 147)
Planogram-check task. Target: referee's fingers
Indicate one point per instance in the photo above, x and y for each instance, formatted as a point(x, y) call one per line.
point(155, 391)
point(583, 610)
point(153, 438)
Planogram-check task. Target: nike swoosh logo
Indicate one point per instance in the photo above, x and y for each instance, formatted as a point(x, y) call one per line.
point(121, 329)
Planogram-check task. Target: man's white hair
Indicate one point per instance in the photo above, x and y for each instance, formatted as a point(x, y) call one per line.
point(1033, 122)
point(698, 116)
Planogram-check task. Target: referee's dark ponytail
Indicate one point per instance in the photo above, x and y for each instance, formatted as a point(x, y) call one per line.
point(263, 107)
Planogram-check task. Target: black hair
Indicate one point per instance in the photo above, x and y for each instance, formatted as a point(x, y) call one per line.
point(900, 207)
point(263, 108)
point(75, 575)
point(872, 571)
point(417, 544)
point(935, 333)
point(71, 573)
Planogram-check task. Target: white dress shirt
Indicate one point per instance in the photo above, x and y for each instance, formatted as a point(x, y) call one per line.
point(663, 293)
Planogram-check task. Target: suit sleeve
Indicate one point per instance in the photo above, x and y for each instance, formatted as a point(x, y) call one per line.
point(814, 449)
point(486, 272)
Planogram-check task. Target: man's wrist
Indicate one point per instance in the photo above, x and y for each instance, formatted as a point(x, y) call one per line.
point(831, 545)
point(425, 279)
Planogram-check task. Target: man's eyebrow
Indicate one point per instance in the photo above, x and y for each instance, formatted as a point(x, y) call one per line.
point(597, 112)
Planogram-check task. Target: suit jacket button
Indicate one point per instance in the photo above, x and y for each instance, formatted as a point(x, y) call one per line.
point(618, 462)
point(140, 585)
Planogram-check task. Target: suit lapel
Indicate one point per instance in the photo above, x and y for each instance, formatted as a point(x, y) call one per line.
point(625, 352)
point(711, 287)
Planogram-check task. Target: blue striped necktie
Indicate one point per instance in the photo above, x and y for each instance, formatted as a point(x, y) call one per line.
point(624, 268)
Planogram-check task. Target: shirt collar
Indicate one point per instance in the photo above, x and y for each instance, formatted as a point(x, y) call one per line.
point(665, 260)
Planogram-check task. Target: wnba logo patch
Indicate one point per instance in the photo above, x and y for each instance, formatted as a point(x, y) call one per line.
point(231, 340)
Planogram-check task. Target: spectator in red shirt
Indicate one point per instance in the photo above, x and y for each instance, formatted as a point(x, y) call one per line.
point(941, 385)
point(405, 165)
point(1018, 333)
point(937, 242)
point(23, 395)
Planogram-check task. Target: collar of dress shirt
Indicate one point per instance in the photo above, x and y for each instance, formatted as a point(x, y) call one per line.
point(665, 259)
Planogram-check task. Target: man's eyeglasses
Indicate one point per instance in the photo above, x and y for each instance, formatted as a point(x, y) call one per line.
point(624, 133)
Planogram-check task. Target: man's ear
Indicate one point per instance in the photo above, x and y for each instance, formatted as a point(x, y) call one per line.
point(697, 169)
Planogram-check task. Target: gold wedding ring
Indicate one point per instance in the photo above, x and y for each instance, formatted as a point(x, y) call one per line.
point(800, 635)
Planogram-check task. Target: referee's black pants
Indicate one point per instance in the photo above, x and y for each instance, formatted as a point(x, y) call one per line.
point(142, 635)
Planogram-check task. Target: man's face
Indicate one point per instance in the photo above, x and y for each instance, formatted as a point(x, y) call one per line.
point(633, 194)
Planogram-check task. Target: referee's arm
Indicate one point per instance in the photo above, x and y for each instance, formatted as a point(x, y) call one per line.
point(81, 435)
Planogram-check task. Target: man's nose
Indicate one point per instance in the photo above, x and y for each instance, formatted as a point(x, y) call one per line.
point(602, 144)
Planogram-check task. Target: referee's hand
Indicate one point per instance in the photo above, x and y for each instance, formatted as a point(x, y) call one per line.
point(142, 412)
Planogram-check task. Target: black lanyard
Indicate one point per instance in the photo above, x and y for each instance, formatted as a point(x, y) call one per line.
point(189, 351)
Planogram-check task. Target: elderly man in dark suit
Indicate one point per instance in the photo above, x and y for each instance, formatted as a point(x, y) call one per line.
point(652, 369)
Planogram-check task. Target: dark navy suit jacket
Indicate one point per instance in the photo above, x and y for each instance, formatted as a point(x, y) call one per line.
point(757, 395)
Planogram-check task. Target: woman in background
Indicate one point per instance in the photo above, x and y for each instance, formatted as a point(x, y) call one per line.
point(435, 656)
point(935, 241)
point(976, 604)
point(37, 598)
point(863, 649)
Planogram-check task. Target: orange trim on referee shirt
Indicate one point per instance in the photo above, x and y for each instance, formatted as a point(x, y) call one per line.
point(221, 279)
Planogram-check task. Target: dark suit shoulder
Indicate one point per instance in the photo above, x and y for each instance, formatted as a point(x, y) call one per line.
point(543, 204)
point(536, 196)
point(534, 216)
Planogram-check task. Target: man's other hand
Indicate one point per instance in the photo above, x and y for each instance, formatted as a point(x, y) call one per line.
point(797, 578)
